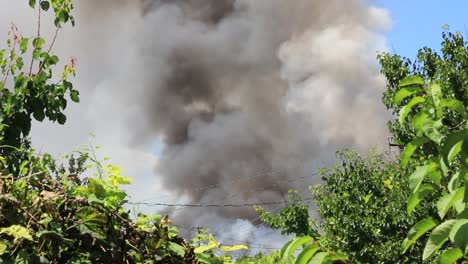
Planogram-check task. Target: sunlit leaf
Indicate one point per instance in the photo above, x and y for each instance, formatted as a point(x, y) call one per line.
point(448, 200)
point(417, 231)
point(416, 198)
point(437, 238)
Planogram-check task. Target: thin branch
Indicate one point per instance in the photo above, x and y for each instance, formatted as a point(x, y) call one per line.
point(53, 40)
point(38, 36)
point(49, 50)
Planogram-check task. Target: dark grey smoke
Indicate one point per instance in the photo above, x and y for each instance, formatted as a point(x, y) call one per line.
point(239, 88)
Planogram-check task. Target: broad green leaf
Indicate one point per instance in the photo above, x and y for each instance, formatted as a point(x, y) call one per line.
point(418, 122)
point(204, 248)
point(437, 238)
point(464, 153)
point(32, 3)
point(431, 129)
point(454, 105)
point(410, 148)
point(306, 254)
point(206, 259)
point(448, 200)
point(283, 249)
point(452, 145)
point(17, 232)
point(419, 229)
point(176, 248)
point(454, 181)
point(319, 258)
point(450, 256)
point(459, 234)
point(3, 247)
point(417, 177)
point(91, 221)
point(405, 92)
point(234, 248)
point(296, 242)
point(405, 110)
point(436, 93)
point(415, 198)
point(412, 80)
point(463, 214)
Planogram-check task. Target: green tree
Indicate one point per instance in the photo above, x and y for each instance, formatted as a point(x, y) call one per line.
point(293, 219)
point(28, 86)
point(361, 209)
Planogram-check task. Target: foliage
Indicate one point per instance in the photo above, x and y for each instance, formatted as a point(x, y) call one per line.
point(48, 216)
point(312, 251)
point(293, 219)
point(360, 209)
point(445, 170)
point(49, 212)
point(210, 251)
point(274, 257)
point(34, 91)
point(449, 69)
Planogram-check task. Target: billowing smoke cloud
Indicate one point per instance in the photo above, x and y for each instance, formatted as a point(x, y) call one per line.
point(239, 88)
point(246, 95)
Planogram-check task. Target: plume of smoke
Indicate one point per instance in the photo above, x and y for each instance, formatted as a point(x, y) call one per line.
point(239, 88)
point(246, 95)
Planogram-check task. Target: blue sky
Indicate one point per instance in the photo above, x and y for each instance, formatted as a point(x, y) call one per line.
point(418, 23)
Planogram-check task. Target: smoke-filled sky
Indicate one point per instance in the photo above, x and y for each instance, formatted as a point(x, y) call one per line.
point(245, 97)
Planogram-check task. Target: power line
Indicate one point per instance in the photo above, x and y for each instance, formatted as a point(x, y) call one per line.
point(210, 205)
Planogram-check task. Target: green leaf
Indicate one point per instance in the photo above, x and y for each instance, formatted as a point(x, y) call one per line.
point(454, 181)
point(206, 259)
point(452, 145)
point(454, 105)
point(417, 177)
point(459, 234)
point(75, 96)
point(295, 243)
point(436, 93)
point(415, 198)
point(3, 247)
point(45, 5)
point(24, 45)
point(405, 92)
point(17, 232)
point(410, 148)
point(412, 80)
point(91, 221)
point(204, 248)
point(61, 118)
point(38, 43)
point(405, 110)
point(32, 3)
point(418, 122)
point(319, 258)
point(234, 248)
point(448, 200)
point(437, 238)
point(306, 254)
point(176, 248)
point(431, 129)
point(63, 16)
point(450, 256)
point(419, 229)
